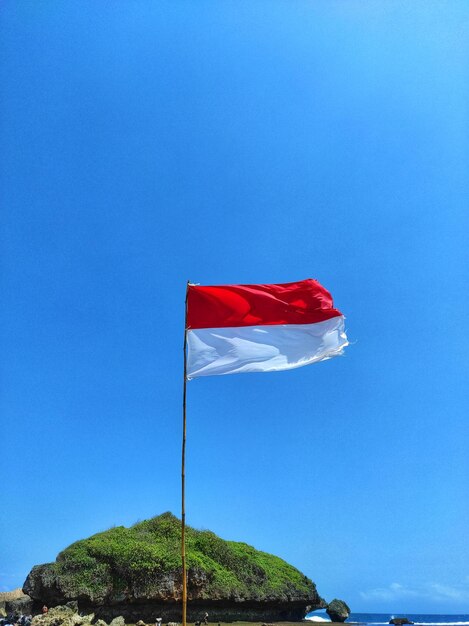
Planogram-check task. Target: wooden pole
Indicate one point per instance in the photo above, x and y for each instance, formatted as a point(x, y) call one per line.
point(183, 476)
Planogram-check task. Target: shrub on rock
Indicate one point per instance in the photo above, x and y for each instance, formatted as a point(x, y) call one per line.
point(137, 572)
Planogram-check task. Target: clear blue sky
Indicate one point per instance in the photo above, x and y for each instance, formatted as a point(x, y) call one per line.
point(144, 143)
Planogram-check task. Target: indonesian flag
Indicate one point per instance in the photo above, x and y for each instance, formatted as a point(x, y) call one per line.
point(260, 328)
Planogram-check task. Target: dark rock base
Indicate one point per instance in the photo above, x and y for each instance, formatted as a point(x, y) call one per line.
point(217, 612)
point(24, 605)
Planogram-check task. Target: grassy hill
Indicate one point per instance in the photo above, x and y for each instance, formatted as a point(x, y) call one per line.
point(143, 564)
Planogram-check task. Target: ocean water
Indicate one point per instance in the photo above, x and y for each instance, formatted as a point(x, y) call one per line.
point(380, 619)
point(424, 620)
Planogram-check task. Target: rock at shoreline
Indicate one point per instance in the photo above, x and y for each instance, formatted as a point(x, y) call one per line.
point(399, 621)
point(136, 573)
point(62, 616)
point(337, 610)
point(22, 605)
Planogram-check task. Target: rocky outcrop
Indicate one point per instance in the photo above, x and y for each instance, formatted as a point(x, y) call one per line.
point(337, 610)
point(136, 573)
point(62, 616)
point(399, 621)
point(24, 605)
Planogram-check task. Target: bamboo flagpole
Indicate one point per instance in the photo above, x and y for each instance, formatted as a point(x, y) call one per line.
point(254, 328)
point(183, 475)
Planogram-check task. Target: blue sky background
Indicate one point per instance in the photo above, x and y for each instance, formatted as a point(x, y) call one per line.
point(146, 143)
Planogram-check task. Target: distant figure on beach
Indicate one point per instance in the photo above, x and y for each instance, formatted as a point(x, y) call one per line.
point(206, 618)
point(13, 618)
point(45, 610)
point(158, 621)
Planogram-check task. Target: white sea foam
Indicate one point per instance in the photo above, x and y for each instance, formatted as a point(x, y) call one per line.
point(316, 618)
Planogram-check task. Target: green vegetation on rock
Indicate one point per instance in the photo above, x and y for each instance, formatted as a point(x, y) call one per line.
point(144, 562)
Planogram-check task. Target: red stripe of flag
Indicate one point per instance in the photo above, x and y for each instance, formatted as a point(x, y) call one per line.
point(221, 306)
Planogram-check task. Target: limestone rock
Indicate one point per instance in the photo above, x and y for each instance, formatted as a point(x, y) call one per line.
point(337, 610)
point(398, 621)
point(22, 605)
point(118, 621)
point(61, 616)
point(135, 573)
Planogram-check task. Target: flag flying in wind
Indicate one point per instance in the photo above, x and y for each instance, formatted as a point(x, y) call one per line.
point(260, 328)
